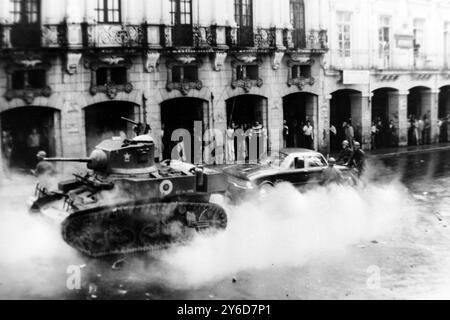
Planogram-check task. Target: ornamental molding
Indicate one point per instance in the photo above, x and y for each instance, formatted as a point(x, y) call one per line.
point(219, 60)
point(151, 61)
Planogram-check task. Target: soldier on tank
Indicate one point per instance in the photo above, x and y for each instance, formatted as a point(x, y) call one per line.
point(43, 167)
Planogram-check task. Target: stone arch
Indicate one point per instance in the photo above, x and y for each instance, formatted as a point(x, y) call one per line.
point(31, 128)
point(299, 107)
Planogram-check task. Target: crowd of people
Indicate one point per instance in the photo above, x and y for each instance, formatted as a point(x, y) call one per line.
point(240, 149)
point(297, 134)
point(27, 149)
point(382, 134)
point(419, 130)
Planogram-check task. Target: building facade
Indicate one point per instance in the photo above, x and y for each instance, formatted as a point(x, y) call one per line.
point(71, 69)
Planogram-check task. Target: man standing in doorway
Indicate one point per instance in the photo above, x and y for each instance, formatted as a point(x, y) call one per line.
point(230, 144)
point(308, 131)
point(34, 145)
point(285, 133)
point(7, 150)
point(181, 153)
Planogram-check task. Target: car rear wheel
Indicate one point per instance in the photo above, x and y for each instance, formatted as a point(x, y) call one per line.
point(266, 187)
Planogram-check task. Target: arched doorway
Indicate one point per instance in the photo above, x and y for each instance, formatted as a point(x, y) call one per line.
point(183, 113)
point(419, 112)
point(344, 106)
point(444, 114)
point(104, 121)
point(250, 113)
point(298, 108)
point(31, 129)
point(384, 110)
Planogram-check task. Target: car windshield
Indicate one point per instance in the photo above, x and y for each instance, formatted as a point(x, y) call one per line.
point(276, 159)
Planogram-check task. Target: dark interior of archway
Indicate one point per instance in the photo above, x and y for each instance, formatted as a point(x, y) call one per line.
point(245, 110)
point(340, 112)
point(103, 121)
point(444, 114)
point(294, 112)
point(415, 103)
point(20, 123)
point(181, 113)
point(380, 112)
point(380, 106)
point(444, 102)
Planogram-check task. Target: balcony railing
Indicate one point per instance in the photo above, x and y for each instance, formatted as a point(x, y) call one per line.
point(313, 40)
point(148, 36)
point(393, 60)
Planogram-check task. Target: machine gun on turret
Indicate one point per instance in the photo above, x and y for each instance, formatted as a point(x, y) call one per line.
point(139, 127)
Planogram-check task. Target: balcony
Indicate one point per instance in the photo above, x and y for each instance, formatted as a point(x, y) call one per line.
point(394, 59)
point(314, 40)
point(113, 35)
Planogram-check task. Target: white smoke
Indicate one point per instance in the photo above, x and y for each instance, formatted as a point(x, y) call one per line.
point(286, 228)
point(33, 257)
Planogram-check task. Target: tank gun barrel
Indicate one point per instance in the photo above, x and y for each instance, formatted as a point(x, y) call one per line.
point(82, 160)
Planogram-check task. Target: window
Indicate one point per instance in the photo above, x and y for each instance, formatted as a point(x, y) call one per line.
point(344, 21)
point(301, 72)
point(447, 44)
point(244, 72)
point(25, 11)
point(297, 19)
point(299, 163)
point(182, 74)
point(108, 11)
point(32, 79)
point(117, 76)
point(316, 162)
point(181, 11)
point(384, 36)
point(181, 19)
point(243, 14)
point(419, 35)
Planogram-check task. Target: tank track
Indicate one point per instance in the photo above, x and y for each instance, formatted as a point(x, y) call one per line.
point(138, 227)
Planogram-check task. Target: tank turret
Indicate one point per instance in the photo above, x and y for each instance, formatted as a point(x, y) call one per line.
point(118, 156)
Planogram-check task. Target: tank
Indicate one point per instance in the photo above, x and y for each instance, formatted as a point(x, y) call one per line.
point(126, 203)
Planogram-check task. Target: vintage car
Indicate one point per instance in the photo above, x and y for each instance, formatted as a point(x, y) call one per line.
point(299, 167)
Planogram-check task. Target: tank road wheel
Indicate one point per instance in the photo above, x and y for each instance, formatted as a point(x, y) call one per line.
point(121, 237)
point(212, 218)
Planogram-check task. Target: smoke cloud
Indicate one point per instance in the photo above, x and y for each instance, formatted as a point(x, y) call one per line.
point(286, 228)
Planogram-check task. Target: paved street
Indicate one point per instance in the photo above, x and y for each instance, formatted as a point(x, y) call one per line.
point(387, 240)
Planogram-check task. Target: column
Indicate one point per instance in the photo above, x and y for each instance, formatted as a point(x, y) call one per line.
point(430, 106)
point(323, 125)
point(165, 12)
point(133, 12)
point(89, 11)
point(312, 109)
point(74, 12)
point(398, 112)
point(361, 111)
point(4, 11)
point(275, 124)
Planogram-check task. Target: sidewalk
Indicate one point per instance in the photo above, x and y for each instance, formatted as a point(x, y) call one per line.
point(395, 152)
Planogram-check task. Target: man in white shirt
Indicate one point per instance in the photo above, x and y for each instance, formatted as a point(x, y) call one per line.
point(181, 153)
point(308, 131)
point(230, 144)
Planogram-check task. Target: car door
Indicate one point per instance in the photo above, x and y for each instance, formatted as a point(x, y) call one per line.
point(315, 164)
point(294, 172)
